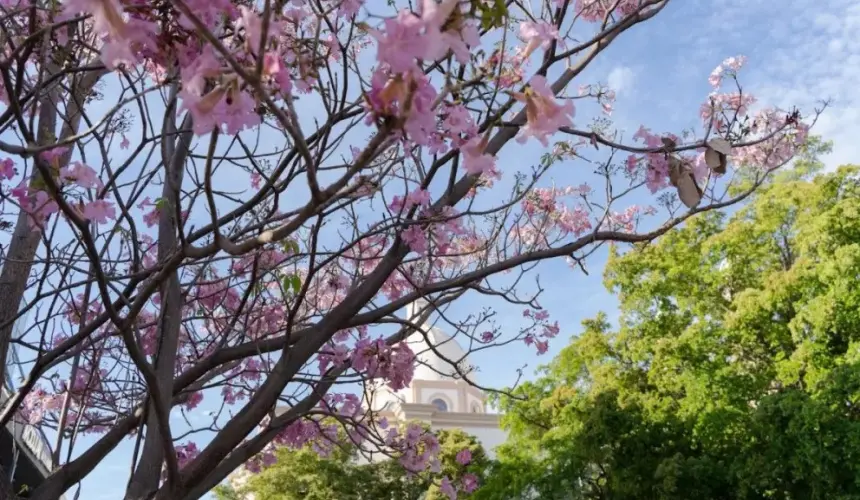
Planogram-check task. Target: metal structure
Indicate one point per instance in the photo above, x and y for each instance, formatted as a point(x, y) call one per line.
point(25, 455)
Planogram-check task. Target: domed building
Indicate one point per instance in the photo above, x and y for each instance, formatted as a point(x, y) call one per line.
point(441, 393)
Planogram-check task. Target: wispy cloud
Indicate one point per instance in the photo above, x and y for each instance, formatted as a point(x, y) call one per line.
point(801, 53)
point(621, 79)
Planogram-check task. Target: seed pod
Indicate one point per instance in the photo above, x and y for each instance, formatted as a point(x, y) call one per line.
point(716, 156)
point(683, 180)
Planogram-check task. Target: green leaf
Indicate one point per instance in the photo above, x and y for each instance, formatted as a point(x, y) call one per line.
point(492, 15)
point(293, 283)
point(290, 246)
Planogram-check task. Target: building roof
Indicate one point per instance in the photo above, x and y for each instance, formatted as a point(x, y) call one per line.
point(435, 350)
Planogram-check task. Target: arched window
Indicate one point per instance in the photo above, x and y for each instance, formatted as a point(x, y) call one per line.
point(476, 408)
point(440, 404)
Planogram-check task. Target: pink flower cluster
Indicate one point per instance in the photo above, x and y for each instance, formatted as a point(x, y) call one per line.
point(408, 37)
point(547, 216)
point(544, 114)
point(185, 453)
point(418, 449)
point(38, 203)
point(730, 66)
point(38, 403)
point(598, 10)
point(376, 359)
point(547, 330)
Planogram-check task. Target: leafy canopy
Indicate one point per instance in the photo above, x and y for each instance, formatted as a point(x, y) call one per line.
point(733, 372)
point(306, 475)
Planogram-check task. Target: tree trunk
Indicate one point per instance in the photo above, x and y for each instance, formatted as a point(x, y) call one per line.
point(25, 241)
point(146, 476)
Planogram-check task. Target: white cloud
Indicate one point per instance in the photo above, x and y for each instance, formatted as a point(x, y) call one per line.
point(621, 79)
point(808, 52)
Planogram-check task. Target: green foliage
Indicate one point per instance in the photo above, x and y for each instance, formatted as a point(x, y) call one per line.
point(304, 475)
point(492, 13)
point(734, 372)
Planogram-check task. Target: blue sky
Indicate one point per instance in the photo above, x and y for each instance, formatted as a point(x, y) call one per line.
point(799, 52)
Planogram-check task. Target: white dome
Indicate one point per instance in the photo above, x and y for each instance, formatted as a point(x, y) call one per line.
point(436, 354)
point(435, 350)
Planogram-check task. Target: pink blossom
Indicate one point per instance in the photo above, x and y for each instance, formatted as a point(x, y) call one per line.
point(256, 180)
point(268, 459)
point(419, 197)
point(457, 38)
point(470, 482)
point(193, 400)
point(542, 346)
point(448, 489)
point(349, 8)
point(253, 24)
point(151, 217)
point(394, 364)
point(53, 155)
point(82, 175)
point(631, 163)
point(458, 121)
point(464, 456)
point(107, 15)
point(42, 207)
point(543, 114)
point(475, 161)
point(597, 10)
point(99, 211)
point(720, 106)
point(37, 403)
point(255, 466)
point(7, 168)
point(214, 110)
point(400, 42)
point(539, 34)
point(185, 453)
point(123, 40)
point(731, 65)
point(336, 355)
point(434, 14)
point(205, 65)
point(415, 238)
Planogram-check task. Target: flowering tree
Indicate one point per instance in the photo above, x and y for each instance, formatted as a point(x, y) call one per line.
point(224, 204)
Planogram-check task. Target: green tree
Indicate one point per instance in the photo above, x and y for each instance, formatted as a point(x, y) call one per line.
point(734, 371)
point(305, 475)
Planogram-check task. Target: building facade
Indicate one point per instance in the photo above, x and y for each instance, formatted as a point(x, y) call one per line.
point(25, 455)
point(443, 392)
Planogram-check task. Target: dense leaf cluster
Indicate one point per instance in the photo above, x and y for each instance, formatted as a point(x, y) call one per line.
point(733, 373)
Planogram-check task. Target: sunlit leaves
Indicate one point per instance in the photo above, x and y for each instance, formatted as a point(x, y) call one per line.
point(732, 372)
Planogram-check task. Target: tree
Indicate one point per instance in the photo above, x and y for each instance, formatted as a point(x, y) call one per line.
point(306, 475)
point(220, 206)
point(733, 372)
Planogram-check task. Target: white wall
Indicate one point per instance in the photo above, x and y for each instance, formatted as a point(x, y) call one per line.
point(472, 400)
